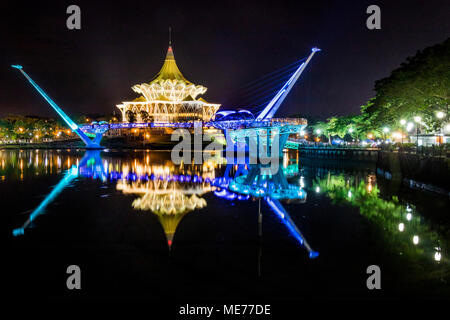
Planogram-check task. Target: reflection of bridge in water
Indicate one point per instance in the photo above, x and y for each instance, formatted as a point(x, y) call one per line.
point(265, 183)
point(170, 191)
point(241, 126)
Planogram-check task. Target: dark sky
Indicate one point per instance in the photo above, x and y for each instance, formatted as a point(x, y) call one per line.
point(221, 45)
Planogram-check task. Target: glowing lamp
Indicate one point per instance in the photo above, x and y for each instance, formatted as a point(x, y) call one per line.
point(437, 256)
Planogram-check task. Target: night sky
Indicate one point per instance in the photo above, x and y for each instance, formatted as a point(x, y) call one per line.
point(221, 45)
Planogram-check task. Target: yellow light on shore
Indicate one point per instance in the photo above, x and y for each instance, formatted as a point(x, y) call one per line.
point(397, 135)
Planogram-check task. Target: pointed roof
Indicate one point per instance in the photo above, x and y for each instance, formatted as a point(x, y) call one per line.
point(188, 98)
point(169, 70)
point(139, 99)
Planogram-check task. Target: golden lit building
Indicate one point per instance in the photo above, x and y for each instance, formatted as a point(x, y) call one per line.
point(169, 97)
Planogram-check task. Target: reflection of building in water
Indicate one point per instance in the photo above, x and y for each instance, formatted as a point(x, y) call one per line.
point(168, 191)
point(170, 208)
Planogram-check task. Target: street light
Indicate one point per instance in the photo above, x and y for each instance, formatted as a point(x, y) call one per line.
point(385, 131)
point(440, 115)
point(417, 119)
point(350, 130)
point(402, 122)
point(318, 131)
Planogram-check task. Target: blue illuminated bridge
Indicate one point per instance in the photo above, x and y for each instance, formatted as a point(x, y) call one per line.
point(241, 126)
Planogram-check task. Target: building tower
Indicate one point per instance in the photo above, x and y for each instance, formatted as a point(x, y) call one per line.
point(169, 97)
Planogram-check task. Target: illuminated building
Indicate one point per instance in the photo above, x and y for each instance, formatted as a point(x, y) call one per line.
point(168, 97)
point(168, 191)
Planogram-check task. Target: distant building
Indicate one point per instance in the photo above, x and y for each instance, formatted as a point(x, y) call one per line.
point(430, 139)
point(169, 97)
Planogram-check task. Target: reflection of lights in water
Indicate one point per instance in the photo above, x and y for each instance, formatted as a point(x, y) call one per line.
point(416, 240)
point(317, 189)
point(302, 182)
point(172, 203)
point(285, 161)
point(401, 227)
point(408, 216)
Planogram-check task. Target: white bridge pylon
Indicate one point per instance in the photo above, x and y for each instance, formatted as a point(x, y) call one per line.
point(272, 107)
point(90, 143)
point(268, 132)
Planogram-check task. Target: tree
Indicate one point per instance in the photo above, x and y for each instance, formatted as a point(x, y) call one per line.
point(420, 86)
point(131, 116)
point(144, 116)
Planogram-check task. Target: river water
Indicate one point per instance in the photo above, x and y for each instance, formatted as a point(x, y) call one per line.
point(139, 226)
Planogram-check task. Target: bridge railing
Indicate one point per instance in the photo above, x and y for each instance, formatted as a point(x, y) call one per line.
point(276, 122)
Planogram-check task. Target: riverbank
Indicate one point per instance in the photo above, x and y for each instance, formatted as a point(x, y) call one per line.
point(107, 143)
point(416, 171)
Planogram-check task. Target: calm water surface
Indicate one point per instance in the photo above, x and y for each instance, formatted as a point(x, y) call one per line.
point(140, 226)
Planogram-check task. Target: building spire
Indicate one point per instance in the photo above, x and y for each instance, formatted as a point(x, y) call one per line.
point(170, 36)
